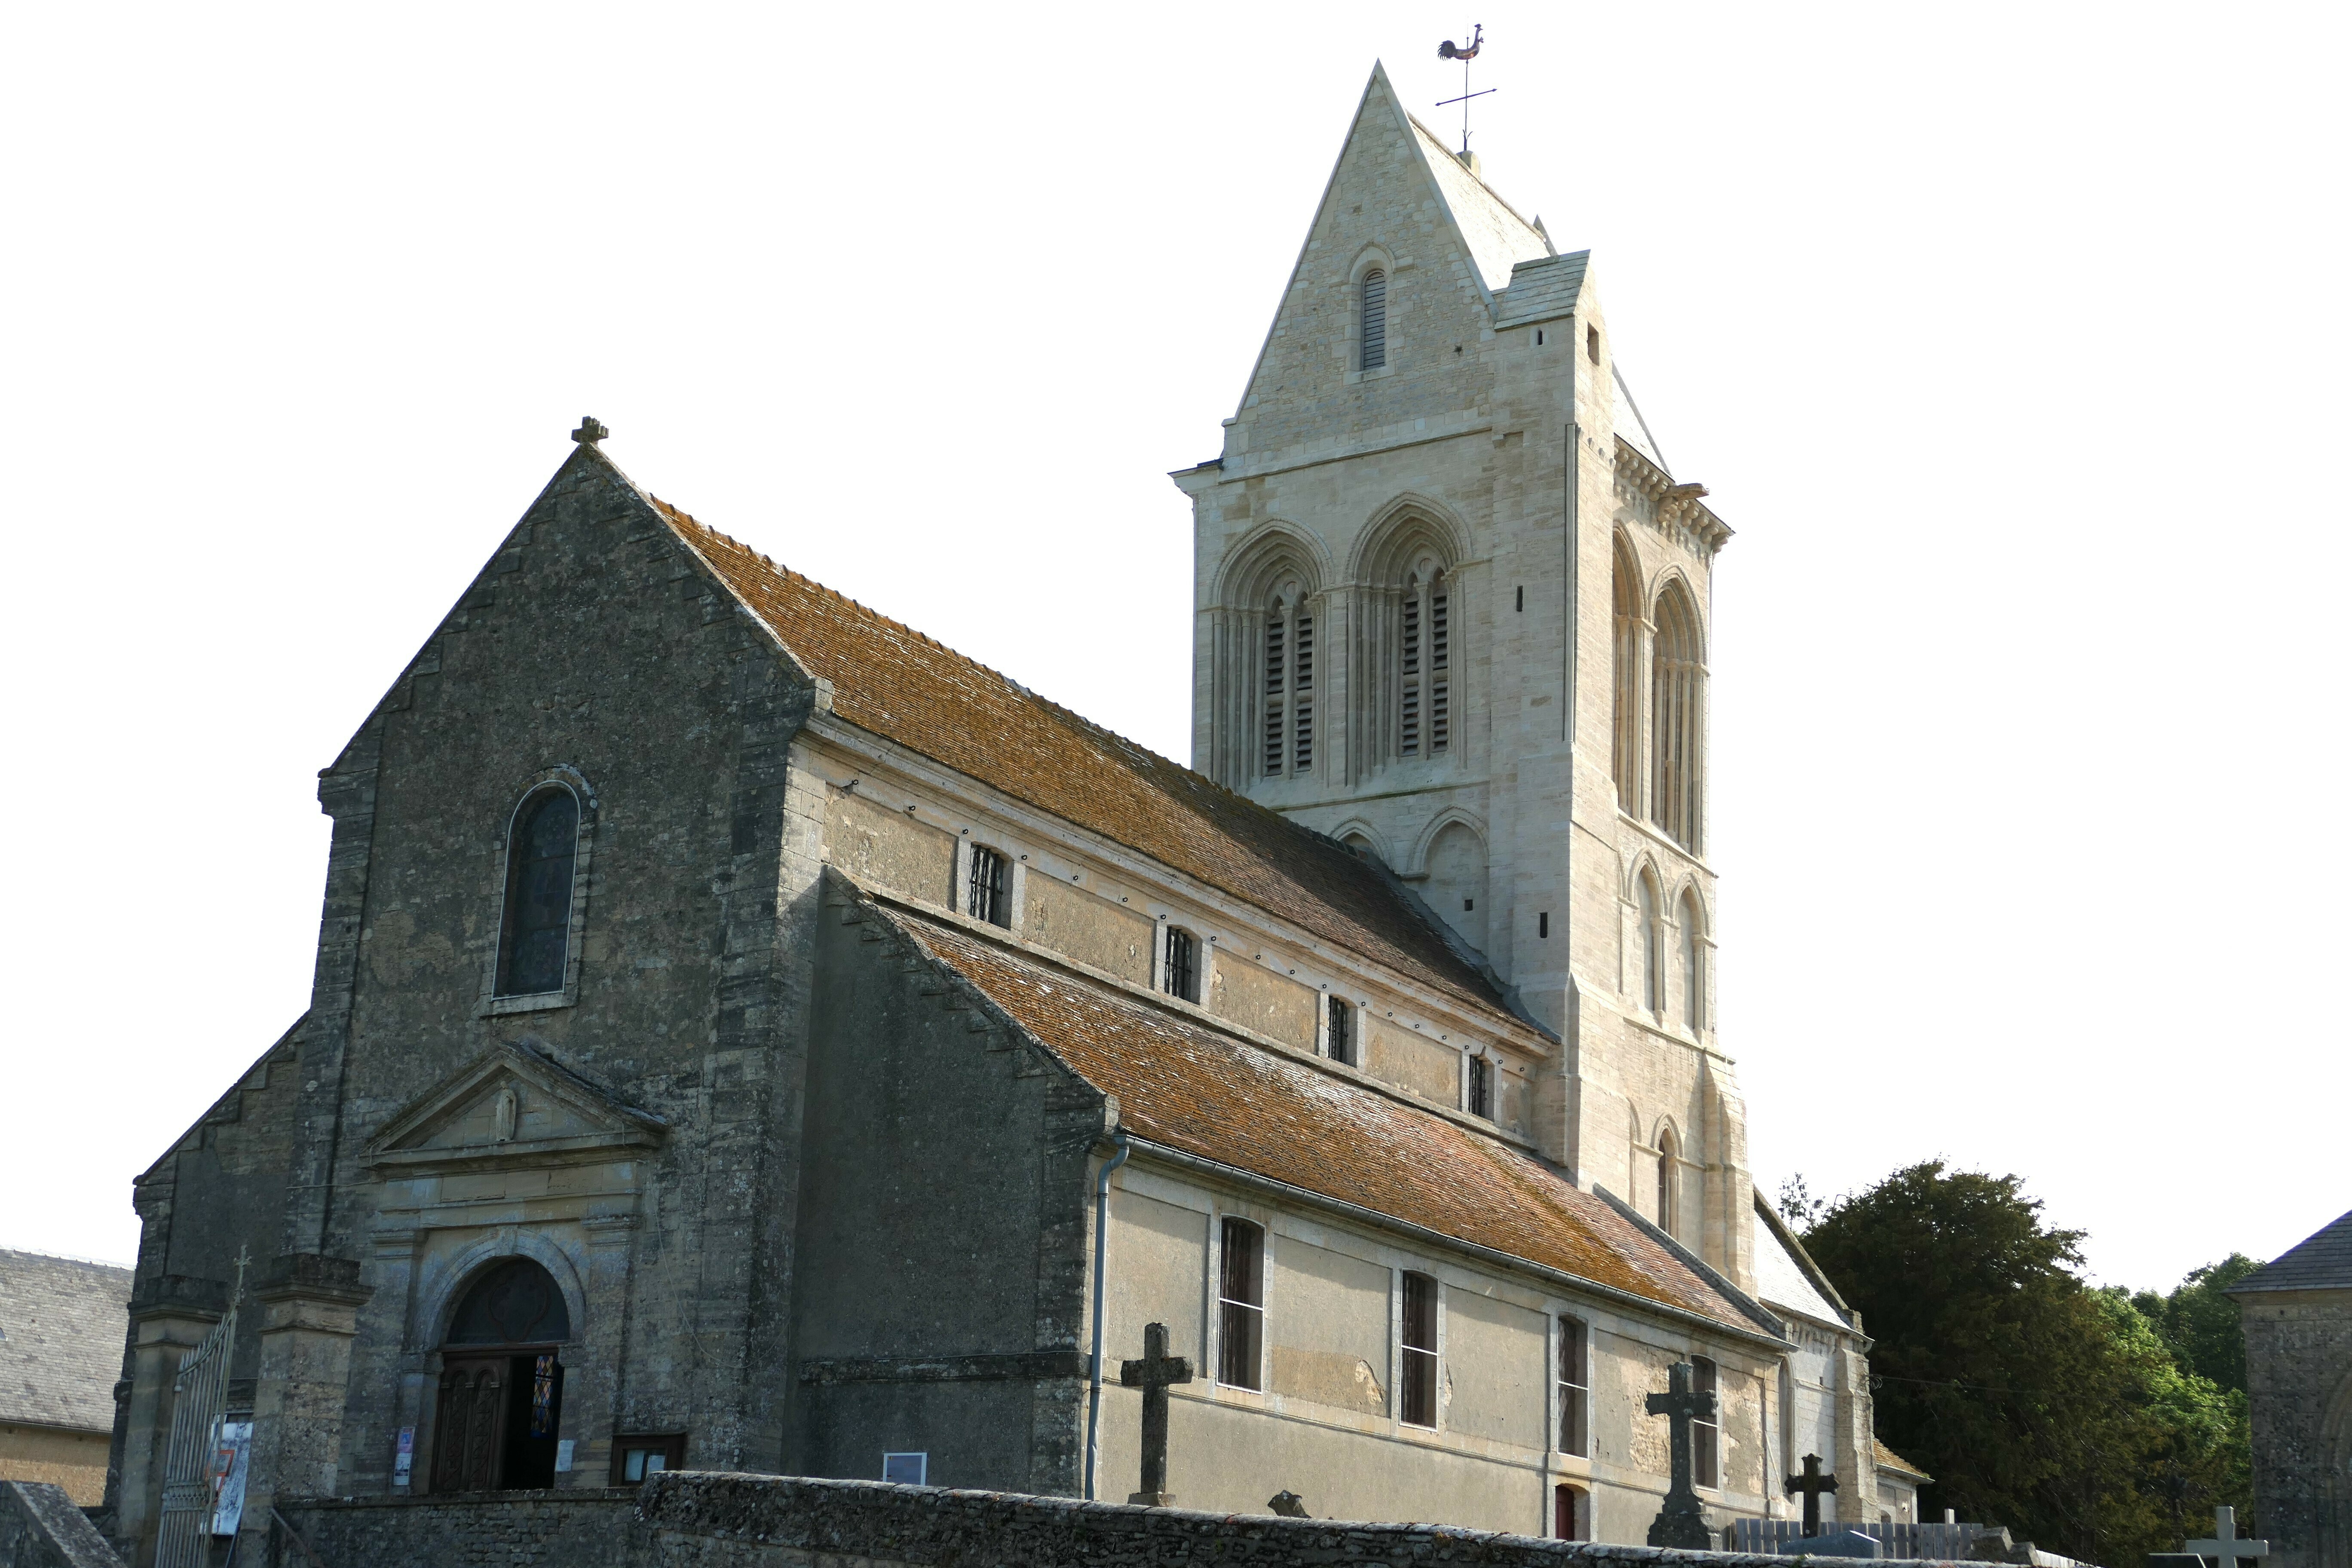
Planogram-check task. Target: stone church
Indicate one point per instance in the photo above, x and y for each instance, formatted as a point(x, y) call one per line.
point(748, 1035)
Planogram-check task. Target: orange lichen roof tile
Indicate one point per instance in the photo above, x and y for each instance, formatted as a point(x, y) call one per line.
point(1192, 1087)
point(1888, 1459)
point(896, 683)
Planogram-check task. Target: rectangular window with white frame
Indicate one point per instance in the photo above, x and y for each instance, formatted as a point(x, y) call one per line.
point(1241, 1304)
point(1707, 1431)
point(1417, 1400)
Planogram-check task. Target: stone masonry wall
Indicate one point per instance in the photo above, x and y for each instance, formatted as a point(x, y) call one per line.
point(687, 1518)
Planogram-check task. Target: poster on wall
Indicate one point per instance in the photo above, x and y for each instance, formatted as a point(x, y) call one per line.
point(230, 1456)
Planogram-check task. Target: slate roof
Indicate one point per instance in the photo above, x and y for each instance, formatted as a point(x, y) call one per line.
point(1495, 236)
point(62, 1322)
point(1184, 1084)
point(2321, 1262)
point(1888, 1459)
point(893, 681)
point(1542, 290)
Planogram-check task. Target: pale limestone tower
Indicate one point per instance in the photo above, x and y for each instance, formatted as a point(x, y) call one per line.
point(1452, 606)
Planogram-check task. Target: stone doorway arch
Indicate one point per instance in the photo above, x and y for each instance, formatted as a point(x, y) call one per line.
point(501, 1391)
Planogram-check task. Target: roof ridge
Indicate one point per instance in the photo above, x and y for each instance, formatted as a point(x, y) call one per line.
point(1501, 200)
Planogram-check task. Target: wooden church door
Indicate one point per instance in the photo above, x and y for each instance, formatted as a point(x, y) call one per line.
point(501, 1391)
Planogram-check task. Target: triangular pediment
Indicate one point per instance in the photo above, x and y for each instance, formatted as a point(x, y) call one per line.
point(510, 1105)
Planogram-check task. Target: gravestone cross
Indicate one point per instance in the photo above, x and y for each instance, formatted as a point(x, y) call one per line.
point(1813, 1483)
point(2225, 1548)
point(1681, 1523)
point(1152, 1375)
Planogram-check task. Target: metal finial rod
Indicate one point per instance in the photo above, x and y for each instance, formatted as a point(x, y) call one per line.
point(1450, 51)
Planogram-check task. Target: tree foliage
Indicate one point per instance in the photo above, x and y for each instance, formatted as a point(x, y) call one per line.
point(2035, 1401)
point(2199, 1324)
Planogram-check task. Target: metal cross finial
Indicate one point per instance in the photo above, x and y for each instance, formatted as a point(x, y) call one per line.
point(590, 432)
point(1152, 1375)
point(1450, 51)
point(2225, 1548)
point(1813, 1483)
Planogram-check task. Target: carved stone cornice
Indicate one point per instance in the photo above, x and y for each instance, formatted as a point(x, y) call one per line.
point(1673, 510)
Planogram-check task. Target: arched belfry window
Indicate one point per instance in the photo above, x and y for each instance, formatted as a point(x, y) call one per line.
point(1372, 321)
point(1625, 680)
point(1287, 658)
point(543, 855)
point(1425, 659)
point(1677, 718)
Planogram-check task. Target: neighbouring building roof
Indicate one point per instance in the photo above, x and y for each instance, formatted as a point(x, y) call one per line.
point(2321, 1262)
point(1782, 1281)
point(1191, 1087)
point(896, 683)
point(61, 1332)
point(1888, 1459)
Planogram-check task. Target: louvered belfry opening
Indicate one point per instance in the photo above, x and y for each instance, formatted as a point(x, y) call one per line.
point(1424, 644)
point(1287, 655)
point(1372, 335)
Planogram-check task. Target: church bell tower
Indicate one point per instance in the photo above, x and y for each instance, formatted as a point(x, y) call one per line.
point(1451, 607)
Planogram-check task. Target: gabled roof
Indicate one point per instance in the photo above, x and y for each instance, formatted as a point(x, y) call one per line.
point(62, 1322)
point(1541, 290)
point(895, 683)
point(1186, 1085)
point(1888, 1459)
point(2322, 1261)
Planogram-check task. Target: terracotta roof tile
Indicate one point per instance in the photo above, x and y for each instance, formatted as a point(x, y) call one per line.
point(893, 681)
point(1888, 1459)
point(1194, 1089)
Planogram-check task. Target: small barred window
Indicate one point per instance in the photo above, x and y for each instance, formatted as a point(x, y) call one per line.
point(985, 898)
point(1181, 976)
point(1341, 1031)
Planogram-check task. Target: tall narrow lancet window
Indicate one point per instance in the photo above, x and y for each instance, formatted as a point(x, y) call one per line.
point(1241, 1304)
point(1425, 660)
point(1678, 718)
point(1706, 1431)
point(1625, 683)
point(542, 851)
point(1694, 965)
point(1372, 321)
point(1287, 657)
point(1417, 1404)
point(1645, 944)
point(1670, 1153)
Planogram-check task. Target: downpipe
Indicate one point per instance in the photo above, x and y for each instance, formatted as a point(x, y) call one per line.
point(1094, 1359)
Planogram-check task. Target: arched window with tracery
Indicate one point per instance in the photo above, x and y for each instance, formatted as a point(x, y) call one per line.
point(1372, 321)
point(1625, 678)
point(1287, 660)
point(1694, 963)
point(1426, 663)
point(1678, 718)
point(542, 850)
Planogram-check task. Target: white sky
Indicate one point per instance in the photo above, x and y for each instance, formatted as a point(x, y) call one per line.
point(2003, 334)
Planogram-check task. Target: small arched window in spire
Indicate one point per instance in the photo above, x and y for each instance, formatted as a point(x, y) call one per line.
point(1425, 660)
point(541, 850)
point(1287, 655)
point(1372, 325)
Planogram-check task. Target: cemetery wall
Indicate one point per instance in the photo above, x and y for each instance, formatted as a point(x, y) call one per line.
point(590, 1528)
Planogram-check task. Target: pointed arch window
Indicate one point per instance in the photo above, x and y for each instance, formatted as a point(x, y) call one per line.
point(1670, 1151)
point(1287, 657)
point(1693, 964)
point(1372, 321)
point(542, 851)
point(1426, 663)
point(1645, 943)
point(1625, 680)
point(1677, 718)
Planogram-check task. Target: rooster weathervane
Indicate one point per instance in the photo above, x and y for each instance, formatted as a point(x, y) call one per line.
point(1465, 53)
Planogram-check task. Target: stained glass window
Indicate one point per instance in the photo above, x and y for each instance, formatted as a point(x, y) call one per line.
point(540, 862)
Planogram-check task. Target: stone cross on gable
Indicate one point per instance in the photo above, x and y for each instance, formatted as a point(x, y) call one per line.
point(589, 431)
point(2225, 1548)
point(1153, 1374)
point(1813, 1483)
point(1681, 1523)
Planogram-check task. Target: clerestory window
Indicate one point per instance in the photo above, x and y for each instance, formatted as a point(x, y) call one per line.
point(1425, 659)
point(986, 897)
point(1482, 1087)
point(1180, 974)
point(1340, 1030)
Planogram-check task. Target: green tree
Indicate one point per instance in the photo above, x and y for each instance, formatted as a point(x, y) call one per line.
point(2199, 1324)
point(2035, 1401)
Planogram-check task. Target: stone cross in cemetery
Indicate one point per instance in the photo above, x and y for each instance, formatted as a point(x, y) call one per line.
point(1153, 1374)
point(1682, 1522)
point(1813, 1483)
point(2225, 1548)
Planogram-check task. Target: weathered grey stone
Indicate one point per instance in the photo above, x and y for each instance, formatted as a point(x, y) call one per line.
point(41, 1528)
